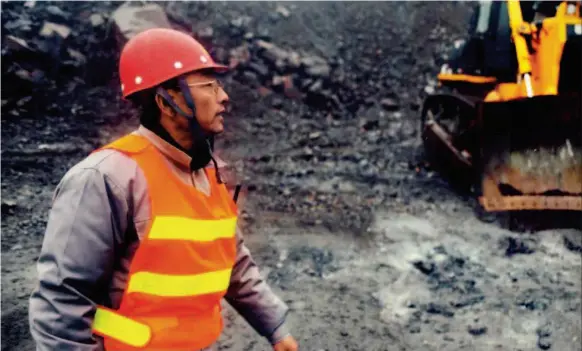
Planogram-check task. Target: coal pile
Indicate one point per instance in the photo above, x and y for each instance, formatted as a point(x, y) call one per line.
point(341, 73)
point(51, 53)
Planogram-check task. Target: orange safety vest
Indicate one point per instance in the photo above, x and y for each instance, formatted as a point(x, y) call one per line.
point(182, 268)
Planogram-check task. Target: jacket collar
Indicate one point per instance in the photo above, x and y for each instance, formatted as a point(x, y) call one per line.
point(172, 152)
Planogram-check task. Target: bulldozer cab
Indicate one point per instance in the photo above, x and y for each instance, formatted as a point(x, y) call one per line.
point(488, 50)
point(510, 105)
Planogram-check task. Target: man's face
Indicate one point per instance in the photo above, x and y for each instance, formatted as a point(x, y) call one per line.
point(209, 99)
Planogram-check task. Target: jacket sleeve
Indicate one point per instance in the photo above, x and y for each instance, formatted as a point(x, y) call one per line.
point(250, 295)
point(87, 217)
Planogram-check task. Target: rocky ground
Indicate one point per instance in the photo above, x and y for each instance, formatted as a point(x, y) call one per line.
point(370, 248)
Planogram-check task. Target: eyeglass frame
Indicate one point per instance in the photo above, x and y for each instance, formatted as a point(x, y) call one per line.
point(215, 84)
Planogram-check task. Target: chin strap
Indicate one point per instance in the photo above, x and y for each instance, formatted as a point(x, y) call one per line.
point(236, 191)
point(200, 138)
point(210, 147)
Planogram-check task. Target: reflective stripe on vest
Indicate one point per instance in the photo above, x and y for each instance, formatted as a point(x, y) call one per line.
point(182, 267)
point(179, 285)
point(179, 228)
point(108, 322)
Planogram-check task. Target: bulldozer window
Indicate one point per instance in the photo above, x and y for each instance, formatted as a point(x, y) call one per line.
point(484, 13)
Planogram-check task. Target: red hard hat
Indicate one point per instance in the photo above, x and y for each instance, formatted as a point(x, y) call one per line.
point(160, 54)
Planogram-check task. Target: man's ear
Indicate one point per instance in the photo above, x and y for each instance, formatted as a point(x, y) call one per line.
point(164, 106)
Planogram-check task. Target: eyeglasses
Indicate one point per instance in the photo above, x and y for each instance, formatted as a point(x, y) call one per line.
point(215, 84)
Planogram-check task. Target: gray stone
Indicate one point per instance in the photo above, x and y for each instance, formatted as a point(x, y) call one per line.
point(129, 20)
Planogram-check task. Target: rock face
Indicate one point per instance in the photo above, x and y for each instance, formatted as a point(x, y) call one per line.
point(323, 134)
point(50, 53)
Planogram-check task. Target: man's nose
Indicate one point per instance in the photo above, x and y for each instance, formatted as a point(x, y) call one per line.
point(222, 96)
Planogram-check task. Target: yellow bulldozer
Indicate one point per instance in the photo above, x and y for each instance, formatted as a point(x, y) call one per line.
point(506, 113)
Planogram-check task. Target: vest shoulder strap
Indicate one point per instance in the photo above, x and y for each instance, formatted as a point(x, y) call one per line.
point(129, 144)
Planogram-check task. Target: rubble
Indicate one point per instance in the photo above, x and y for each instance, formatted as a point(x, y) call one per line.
point(544, 335)
point(97, 19)
point(206, 33)
point(573, 240)
point(315, 66)
point(45, 52)
point(295, 75)
point(283, 11)
point(477, 330)
point(17, 44)
point(514, 246)
point(389, 104)
point(57, 13)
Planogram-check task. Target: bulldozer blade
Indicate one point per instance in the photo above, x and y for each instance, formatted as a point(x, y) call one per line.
point(530, 156)
point(441, 119)
point(438, 143)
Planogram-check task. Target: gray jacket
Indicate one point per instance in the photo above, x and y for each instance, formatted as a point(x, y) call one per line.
point(100, 211)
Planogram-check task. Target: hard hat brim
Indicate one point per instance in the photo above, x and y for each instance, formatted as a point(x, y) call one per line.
point(218, 68)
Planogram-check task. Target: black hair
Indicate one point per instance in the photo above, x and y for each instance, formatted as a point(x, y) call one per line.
point(145, 102)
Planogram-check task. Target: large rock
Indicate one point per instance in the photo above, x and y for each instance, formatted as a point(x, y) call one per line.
point(49, 29)
point(16, 44)
point(316, 66)
point(573, 240)
point(131, 19)
point(271, 52)
point(239, 55)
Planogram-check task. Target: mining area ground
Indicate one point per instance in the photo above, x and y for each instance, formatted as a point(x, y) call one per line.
point(371, 248)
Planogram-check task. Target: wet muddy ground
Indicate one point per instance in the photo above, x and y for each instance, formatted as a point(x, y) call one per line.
point(371, 250)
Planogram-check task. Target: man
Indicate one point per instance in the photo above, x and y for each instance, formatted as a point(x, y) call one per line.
point(142, 243)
